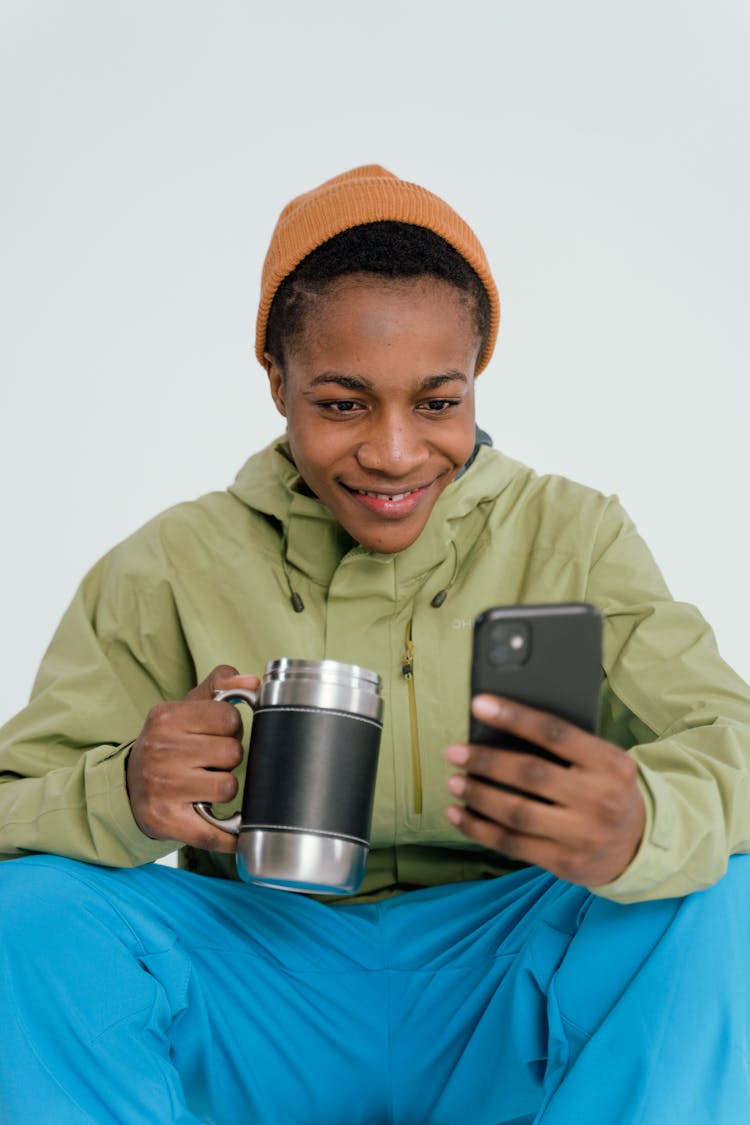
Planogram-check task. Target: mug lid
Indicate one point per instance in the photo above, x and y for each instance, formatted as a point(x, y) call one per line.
point(291, 668)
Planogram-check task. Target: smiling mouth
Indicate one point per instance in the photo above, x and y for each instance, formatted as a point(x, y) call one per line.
point(389, 505)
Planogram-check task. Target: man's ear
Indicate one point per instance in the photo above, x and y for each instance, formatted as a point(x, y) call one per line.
point(275, 374)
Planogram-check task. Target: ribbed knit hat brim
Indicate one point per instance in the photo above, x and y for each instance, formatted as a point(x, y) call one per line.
point(369, 194)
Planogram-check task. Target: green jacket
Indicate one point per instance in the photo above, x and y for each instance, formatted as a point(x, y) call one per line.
point(209, 583)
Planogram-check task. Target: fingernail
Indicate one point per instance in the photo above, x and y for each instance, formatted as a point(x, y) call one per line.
point(488, 707)
point(453, 814)
point(457, 785)
point(457, 755)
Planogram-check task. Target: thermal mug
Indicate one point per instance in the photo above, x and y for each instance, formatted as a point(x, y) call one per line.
point(310, 782)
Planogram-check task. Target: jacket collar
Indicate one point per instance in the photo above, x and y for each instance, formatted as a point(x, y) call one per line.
point(317, 546)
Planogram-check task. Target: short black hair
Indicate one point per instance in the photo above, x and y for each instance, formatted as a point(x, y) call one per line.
point(385, 249)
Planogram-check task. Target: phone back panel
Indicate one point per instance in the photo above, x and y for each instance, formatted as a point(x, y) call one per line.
point(547, 656)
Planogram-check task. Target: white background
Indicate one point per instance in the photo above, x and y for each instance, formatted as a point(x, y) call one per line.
point(598, 148)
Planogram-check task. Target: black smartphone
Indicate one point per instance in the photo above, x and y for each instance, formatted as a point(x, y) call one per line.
point(548, 656)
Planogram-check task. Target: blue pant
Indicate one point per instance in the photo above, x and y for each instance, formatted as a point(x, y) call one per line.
point(155, 996)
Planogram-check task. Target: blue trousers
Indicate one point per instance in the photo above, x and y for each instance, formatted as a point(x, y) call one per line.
point(154, 996)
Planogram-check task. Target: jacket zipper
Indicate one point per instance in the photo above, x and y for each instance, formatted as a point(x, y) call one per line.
point(407, 671)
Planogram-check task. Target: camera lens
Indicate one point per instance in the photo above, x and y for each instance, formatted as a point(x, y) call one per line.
point(508, 643)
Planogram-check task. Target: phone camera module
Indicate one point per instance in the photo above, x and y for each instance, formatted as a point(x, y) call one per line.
point(509, 644)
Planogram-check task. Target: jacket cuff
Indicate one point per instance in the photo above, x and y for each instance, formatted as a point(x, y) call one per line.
point(111, 816)
point(651, 867)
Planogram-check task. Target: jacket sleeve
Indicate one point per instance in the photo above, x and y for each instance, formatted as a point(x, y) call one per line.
point(689, 717)
point(118, 651)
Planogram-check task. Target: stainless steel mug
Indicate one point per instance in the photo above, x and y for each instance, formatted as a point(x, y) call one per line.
point(312, 760)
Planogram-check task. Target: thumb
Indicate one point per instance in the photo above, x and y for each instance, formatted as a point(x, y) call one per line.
point(222, 677)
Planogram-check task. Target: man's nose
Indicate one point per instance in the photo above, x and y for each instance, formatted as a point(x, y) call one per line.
point(392, 446)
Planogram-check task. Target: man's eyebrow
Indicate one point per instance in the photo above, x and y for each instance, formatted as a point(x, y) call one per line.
point(434, 381)
point(360, 383)
point(351, 382)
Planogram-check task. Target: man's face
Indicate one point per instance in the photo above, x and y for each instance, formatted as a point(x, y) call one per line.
point(378, 394)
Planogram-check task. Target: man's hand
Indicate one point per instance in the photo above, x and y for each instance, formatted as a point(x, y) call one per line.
point(185, 753)
point(589, 832)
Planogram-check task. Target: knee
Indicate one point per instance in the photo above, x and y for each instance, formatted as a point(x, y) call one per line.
point(37, 894)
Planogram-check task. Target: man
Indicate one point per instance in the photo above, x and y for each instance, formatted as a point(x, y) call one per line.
point(144, 994)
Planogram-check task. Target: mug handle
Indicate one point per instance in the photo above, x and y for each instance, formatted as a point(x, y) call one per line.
point(230, 824)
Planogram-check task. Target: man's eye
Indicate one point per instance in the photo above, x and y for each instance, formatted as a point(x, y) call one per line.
point(439, 405)
point(340, 405)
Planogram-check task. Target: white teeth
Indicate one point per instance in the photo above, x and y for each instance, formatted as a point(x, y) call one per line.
point(385, 495)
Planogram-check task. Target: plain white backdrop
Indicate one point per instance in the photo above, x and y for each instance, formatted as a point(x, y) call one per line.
point(599, 149)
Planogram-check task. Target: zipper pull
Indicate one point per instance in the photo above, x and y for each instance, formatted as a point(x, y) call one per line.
point(407, 660)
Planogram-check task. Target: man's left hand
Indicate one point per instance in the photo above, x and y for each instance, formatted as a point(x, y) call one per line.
point(590, 822)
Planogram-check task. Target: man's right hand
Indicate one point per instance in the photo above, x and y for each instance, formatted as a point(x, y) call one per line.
point(185, 753)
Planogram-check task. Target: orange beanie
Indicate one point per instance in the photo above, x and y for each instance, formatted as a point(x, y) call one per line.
point(365, 195)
